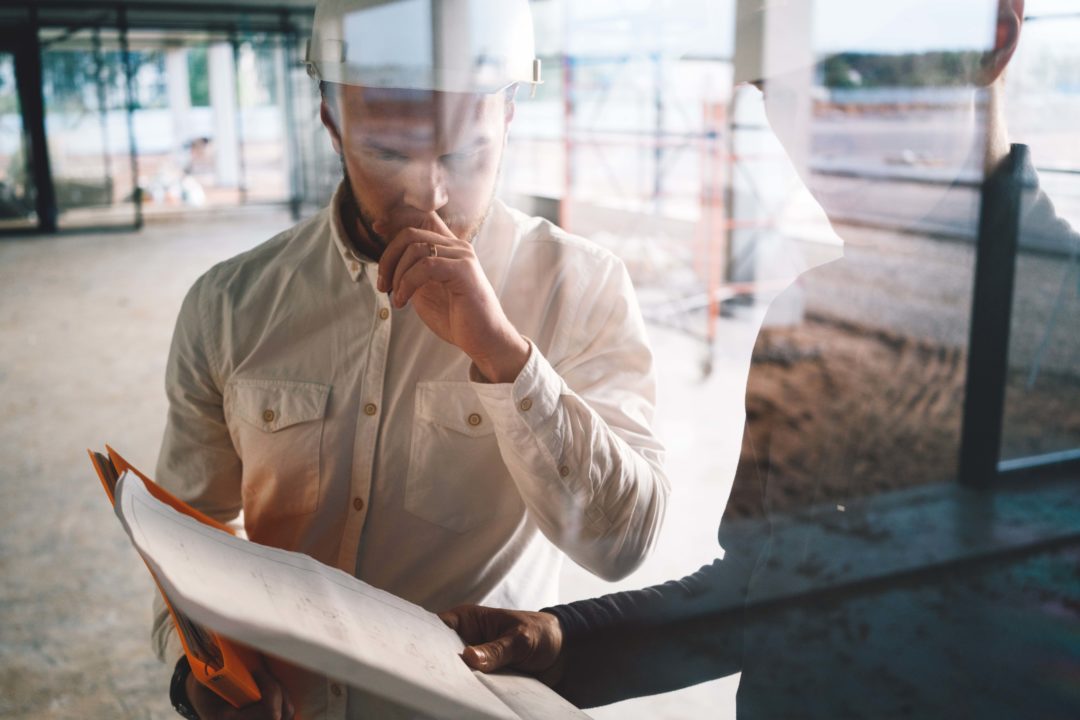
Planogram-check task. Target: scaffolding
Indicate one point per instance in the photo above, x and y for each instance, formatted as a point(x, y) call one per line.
point(648, 149)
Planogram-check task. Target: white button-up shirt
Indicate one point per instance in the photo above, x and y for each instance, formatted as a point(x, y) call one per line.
point(307, 409)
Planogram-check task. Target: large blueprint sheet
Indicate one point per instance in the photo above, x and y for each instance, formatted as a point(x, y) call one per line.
point(290, 605)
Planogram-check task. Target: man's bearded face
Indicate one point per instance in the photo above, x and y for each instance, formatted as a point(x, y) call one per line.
point(408, 153)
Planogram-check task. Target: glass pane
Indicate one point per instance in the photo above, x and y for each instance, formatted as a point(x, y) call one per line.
point(1042, 412)
point(857, 378)
point(262, 117)
point(16, 184)
point(86, 127)
point(210, 122)
point(174, 123)
point(205, 129)
point(207, 132)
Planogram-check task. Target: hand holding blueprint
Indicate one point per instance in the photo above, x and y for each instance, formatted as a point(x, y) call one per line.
point(290, 605)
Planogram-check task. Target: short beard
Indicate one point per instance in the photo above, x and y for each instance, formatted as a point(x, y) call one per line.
point(367, 221)
point(361, 215)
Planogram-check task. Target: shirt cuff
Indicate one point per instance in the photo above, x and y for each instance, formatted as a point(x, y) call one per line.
point(532, 397)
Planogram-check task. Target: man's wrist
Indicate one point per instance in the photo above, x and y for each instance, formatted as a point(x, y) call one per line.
point(178, 693)
point(552, 675)
point(504, 365)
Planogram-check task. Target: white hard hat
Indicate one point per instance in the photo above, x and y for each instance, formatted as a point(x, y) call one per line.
point(446, 45)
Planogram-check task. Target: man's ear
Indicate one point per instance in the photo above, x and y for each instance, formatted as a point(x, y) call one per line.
point(1006, 36)
point(327, 117)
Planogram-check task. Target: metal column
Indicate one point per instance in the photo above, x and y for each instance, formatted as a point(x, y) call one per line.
point(28, 78)
point(991, 315)
point(129, 102)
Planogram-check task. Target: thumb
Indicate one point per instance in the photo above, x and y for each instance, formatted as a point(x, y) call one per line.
point(490, 656)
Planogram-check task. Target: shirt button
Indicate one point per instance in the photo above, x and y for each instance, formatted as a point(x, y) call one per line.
point(336, 689)
point(384, 313)
point(358, 504)
point(475, 419)
point(564, 471)
point(526, 405)
point(370, 409)
point(268, 416)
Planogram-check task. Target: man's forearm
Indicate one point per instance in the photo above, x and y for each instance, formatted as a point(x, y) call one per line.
point(657, 639)
point(597, 497)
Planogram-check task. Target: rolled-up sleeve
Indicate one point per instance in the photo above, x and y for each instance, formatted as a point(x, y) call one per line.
point(577, 436)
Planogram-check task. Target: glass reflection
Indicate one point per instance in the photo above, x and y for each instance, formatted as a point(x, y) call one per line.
point(16, 184)
point(1043, 104)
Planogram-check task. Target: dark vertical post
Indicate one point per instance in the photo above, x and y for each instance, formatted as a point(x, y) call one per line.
point(129, 102)
point(242, 168)
point(103, 110)
point(730, 159)
point(991, 314)
point(288, 39)
point(29, 79)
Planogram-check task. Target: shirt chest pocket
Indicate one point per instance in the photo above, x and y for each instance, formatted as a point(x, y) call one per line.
point(456, 477)
point(277, 426)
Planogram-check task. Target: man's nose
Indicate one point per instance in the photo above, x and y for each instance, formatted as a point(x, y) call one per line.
point(427, 187)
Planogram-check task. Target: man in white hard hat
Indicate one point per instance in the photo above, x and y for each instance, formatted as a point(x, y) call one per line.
point(418, 385)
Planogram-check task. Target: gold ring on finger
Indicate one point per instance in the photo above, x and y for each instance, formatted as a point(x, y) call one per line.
point(433, 250)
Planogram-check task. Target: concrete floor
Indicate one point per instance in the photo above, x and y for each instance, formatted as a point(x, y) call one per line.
point(85, 324)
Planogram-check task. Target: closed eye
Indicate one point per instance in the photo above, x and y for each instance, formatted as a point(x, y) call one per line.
point(381, 152)
point(465, 158)
point(388, 155)
point(458, 159)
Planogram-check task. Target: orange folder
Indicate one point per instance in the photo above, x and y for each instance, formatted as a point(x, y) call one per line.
point(218, 663)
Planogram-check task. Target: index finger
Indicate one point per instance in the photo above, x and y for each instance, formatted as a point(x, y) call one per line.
point(396, 248)
point(467, 622)
point(435, 223)
point(449, 618)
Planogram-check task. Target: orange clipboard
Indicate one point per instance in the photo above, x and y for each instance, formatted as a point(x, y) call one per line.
point(218, 663)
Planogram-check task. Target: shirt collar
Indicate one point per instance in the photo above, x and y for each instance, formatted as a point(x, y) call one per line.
point(354, 263)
